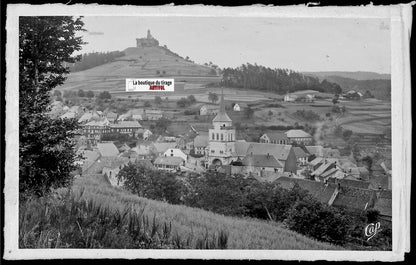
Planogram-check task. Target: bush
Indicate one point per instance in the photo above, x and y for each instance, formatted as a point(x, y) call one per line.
point(147, 104)
point(89, 94)
point(81, 93)
point(319, 221)
point(104, 95)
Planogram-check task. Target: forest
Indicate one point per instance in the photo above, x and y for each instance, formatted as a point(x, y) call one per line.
point(281, 81)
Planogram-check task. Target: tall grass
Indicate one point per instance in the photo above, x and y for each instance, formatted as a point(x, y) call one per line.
point(68, 220)
point(195, 227)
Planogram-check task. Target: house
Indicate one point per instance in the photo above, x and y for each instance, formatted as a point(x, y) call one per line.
point(301, 156)
point(323, 192)
point(208, 109)
point(236, 107)
point(261, 165)
point(283, 153)
point(316, 150)
point(94, 129)
point(275, 137)
point(137, 114)
point(89, 116)
point(153, 115)
point(126, 127)
point(107, 149)
point(175, 152)
point(290, 98)
point(383, 204)
point(160, 148)
point(146, 134)
point(169, 163)
point(200, 144)
point(354, 199)
point(111, 116)
point(144, 150)
point(124, 148)
point(299, 136)
point(323, 168)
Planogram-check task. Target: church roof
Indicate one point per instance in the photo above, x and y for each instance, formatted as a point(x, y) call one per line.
point(222, 114)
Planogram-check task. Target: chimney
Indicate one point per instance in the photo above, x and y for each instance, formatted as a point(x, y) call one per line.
point(268, 155)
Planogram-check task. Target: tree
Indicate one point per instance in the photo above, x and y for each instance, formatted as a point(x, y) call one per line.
point(89, 94)
point(158, 100)
point(81, 93)
point(191, 99)
point(104, 95)
point(147, 104)
point(46, 146)
point(182, 102)
point(213, 97)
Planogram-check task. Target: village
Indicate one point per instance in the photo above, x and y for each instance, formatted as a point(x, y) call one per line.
point(108, 141)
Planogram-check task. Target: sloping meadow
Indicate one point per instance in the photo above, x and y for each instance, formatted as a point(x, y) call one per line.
point(195, 226)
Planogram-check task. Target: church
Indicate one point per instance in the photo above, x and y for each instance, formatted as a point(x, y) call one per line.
point(223, 148)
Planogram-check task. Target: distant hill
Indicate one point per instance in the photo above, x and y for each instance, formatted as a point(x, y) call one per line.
point(145, 62)
point(378, 84)
point(360, 75)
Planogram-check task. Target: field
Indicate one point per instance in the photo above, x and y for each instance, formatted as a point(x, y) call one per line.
point(244, 233)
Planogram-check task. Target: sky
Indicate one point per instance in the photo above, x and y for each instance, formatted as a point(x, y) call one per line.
point(300, 44)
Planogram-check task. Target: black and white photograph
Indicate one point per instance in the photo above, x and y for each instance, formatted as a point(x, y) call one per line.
point(194, 132)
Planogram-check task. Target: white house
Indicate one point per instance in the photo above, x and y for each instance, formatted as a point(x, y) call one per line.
point(169, 163)
point(175, 152)
point(290, 98)
point(146, 134)
point(236, 107)
point(209, 110)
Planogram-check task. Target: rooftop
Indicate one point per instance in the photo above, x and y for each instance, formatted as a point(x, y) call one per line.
point(298, 134)
point(126, 124)
point(279, 151)
point(168, 160)
point(261, 161)
point(107, 149)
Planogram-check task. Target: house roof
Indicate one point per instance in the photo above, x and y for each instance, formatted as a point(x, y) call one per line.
point(354, 198)
point(329, 172)
point(107, 149)
point(322, 168)
point(298, 134)
point(210, 107)
point(315, 150)
point(276, 135)
point(124, 147)
point(101, 122)
point(316, 161)
point(241, 148)
point(201, 141)
point(299, 152)
point(351, 183)
point(262, 161)
point(168, 160)
point(318, 190)
point(279, 151)
point(126, 124)
point(162, 147)
point(111, 115)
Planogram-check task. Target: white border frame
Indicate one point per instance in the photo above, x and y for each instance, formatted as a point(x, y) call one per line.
point(400, 17)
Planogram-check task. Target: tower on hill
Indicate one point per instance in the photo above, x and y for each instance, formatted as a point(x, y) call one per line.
point(221, 146)
point(149, 41)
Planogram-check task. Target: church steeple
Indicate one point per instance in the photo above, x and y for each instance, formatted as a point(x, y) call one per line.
point(222, 104)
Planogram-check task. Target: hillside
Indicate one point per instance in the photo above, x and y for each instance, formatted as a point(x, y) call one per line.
point(147, 62)
point(244, 233)
point(359, 75)
point(378, 84)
